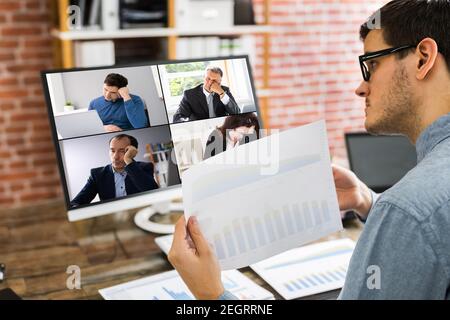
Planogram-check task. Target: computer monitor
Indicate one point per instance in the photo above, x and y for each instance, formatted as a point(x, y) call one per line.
point(379, 161)
point(162, 109)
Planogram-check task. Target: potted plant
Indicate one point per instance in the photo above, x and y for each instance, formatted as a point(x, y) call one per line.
point(69, 106)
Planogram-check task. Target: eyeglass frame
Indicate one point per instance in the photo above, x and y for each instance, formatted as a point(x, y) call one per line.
point(376, 54)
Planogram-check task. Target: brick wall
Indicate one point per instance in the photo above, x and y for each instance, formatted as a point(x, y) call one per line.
point(28, 171)
point(314, 72)
point(314, 64)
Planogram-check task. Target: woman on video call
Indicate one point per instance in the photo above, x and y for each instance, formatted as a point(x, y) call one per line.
point(236, 130)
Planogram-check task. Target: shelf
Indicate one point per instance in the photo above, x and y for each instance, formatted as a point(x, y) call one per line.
point(156, 32)
point(263, 93)
point(64, 40)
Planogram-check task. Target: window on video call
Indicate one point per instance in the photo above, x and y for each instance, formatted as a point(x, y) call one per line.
point(130, 130)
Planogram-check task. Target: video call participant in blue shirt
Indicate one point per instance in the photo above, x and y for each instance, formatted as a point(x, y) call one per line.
point(122, 177)
point(118, 109)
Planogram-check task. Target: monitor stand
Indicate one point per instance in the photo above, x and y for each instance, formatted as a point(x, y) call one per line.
point(160, 217)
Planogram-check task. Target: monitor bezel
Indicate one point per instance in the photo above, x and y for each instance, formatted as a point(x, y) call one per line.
point(349, 135)
point(150, 63)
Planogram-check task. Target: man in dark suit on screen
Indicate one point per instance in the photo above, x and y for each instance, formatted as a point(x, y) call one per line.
point(208, 100)
point(122, 177)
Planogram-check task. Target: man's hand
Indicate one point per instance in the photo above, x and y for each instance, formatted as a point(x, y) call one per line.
point(130, 153)
point(111, 128)
point(124, 93)
point(352, 193)
point(198, 265)
point(215, 87)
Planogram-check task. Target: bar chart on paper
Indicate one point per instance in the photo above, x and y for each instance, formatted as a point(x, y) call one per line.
point(307, 270)
point(169, 286)
point(249, 233)
point(248, 216)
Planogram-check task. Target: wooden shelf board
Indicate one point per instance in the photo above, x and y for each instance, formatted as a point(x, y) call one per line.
point(155, 32)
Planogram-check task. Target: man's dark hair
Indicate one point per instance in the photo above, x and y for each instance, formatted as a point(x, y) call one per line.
point(407, 22)
point(133, 140)
point(116, 80)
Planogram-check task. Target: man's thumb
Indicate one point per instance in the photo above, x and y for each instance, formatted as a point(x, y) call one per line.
point(197, 236)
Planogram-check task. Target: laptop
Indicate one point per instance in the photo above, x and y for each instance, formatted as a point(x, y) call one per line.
point(379, 161)
point(77, 124)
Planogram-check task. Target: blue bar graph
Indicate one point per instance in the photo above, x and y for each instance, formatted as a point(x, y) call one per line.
point(239, 236)
point(326, 212)
point(219, 248)
point(340, 273)
point(177, 296)
point(229, 284)
point(325, 277)
point(297, 286)
point(307, 216)
point(318, 256)
point(311, 281)
point(335, 277)
point(298, 217)
point(288, 219)
point(260, 232)
point(269, 227)
point(304, 284)
point(316, 213)
point(289, 287)
point(229, 241)
point(249, 233)
point(315, 279)
point(279, 224)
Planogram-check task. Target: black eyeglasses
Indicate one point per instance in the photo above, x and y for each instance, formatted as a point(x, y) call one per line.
point(372, 55)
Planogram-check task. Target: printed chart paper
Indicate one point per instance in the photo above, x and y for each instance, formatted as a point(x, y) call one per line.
point(170, 286)
point(265, 197)
point(307, 270)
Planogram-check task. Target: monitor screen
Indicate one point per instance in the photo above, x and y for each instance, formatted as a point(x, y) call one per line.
point(380, 161)
point(126, 131)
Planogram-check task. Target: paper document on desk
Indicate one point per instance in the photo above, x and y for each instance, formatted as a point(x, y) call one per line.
point(265, 197)
point(308, 270)
point(169, 286)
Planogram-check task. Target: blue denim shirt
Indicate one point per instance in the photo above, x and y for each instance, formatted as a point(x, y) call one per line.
point(404, 249)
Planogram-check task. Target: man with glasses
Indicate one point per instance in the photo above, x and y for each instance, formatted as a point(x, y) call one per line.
point(404, 249)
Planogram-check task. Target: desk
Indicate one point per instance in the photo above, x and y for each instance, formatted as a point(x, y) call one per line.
point(38, 243)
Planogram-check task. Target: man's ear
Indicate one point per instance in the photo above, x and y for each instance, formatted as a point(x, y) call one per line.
point(427, 52)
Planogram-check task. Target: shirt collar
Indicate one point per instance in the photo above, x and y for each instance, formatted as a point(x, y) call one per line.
point(432, 136)
point(123, 173)
point(111, 101)
point(206, 92)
